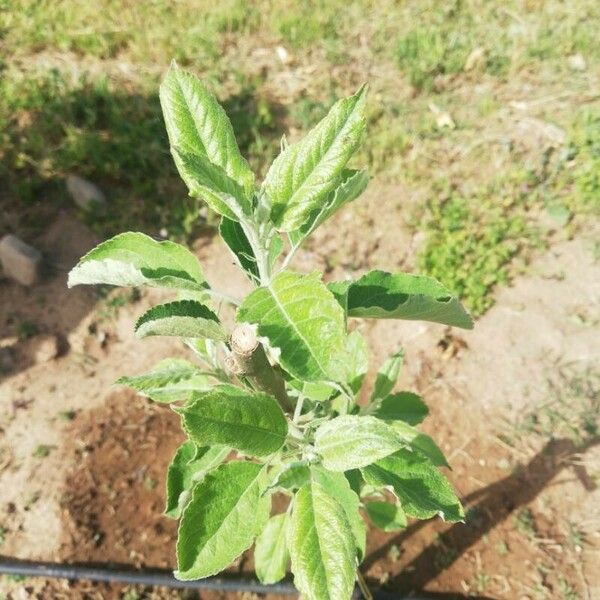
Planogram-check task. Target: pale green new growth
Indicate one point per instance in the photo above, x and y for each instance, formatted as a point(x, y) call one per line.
point(271, 554)
point(271, 404)
point(171, 380)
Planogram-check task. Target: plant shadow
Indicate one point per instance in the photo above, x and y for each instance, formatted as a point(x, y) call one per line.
point(492, 505)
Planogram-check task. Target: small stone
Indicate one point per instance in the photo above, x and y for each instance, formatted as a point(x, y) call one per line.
point(503, 464)
point(84, 193)
point(577, 62)
point(442, 118)
point(43, 348)
point(283, 55)
point(20, 261)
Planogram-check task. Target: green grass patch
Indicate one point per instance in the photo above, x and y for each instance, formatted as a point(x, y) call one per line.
point(471, 243)
point(53, 125)
point(584, 195)
point(441, 37)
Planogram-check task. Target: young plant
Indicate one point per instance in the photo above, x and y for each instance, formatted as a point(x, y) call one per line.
point(270, 406)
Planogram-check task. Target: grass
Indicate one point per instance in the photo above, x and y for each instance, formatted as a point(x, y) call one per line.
point(78, 94)
point(26, 330)
point(42, 451)
point(525, 523)
point(571, 411)
point(471, 243)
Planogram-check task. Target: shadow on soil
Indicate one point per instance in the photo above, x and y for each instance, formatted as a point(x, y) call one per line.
point(117, 139)
point(491, 505)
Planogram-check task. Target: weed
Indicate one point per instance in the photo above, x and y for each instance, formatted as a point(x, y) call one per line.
point(502, 548)
point(444, 557)
point(572, 411)
point(42, 451)
point(567, 590)
point(307, 22)
point(525, 523)
point(67, 415)
point(113, 302)
point(482, 580)
point(26, 330)
point(15, 578)
point(470, 245)
point(576, 537)
point(33, 498)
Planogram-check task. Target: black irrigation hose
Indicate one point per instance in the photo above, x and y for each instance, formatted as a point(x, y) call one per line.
point(151, 577)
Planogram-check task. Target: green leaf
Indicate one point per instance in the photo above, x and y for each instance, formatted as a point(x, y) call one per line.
point(353, 441)
point(358, 360)
point(188, 466)
point(235, 238)
point(386, 516)
point(420, 442)
point(226, 512)
point(381, 295)
point(318, 391)
point(352, 186)
point(202, 139)
point(210, 183)
point(422, 490)
point(338, 487)
point(300, 317)
point(252, 423)
point(271, 555)
point(402, 406)
point(292, 476)
point(170, 380)
point(135, 259)
point(355, 480)
point(275, 250)
point(387, 376)
point(302, 176)
point(183, 318)
point(321, 546)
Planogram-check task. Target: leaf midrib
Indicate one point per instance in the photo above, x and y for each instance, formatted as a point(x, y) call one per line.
point(245, 425)
point(228, 515)
point(294, 327)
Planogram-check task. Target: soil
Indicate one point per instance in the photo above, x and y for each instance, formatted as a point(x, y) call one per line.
point(82, 464)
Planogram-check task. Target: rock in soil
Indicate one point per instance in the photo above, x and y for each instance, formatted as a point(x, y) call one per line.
point(20, 261)
point(43, 348)
point(85, 194)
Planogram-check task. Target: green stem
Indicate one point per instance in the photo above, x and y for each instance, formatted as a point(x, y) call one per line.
point(298, 410)
point(222, 296)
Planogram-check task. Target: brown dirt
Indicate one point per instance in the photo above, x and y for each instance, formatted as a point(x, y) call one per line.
point(533, 523)
point(114, 497)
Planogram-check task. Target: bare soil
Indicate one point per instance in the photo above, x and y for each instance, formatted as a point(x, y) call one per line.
point(95, 493)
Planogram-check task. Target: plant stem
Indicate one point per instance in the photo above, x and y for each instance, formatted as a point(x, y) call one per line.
point(250, 361)
point(258, 248)
point(298, 410)
point(222, 296)
point(364, 588)
point(288, 258)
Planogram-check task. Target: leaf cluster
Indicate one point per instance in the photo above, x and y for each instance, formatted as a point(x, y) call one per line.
point(271, 406)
